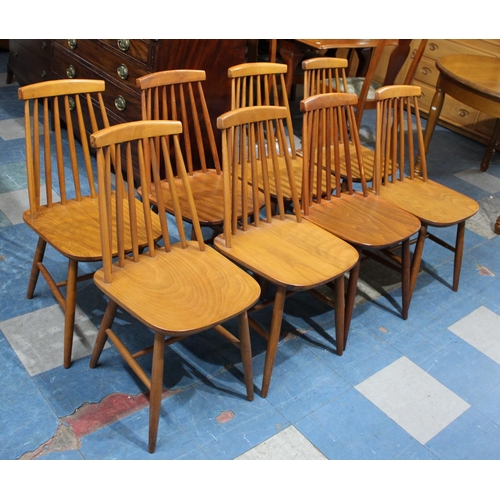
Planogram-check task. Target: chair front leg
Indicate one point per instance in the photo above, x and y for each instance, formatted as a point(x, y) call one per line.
point(459, 251)
point(406, 278)
point(102, 336)
point(69, 311)
point(246, 353)
point(156, 389)
point(35, 270)
point(417, 257)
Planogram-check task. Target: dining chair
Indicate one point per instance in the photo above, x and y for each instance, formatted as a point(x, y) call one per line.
point(178, 95)
point(365, 87)
point(279, 248)
point(63, 207)
point(398, 143)
point(263, 84)
point(366, 221)
point(176, 290)
point(324, 75)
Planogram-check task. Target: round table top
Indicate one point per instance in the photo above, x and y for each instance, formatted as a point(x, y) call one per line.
point(481, 73)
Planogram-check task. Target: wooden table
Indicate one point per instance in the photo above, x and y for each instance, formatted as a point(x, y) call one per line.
point(475, 81)
point(293, 51)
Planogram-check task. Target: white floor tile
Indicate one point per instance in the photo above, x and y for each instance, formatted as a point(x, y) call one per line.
point(483, 180)
point(15, 203)
point(288, 444)
point(37, 338)
point(12, 128)
point(481, 329)
point(413, 399)
point(483, 223)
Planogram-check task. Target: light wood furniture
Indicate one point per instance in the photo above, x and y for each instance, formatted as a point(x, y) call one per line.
point(474, 80)
point(282, 249)
point(324, 75)
point(455, 115)
point(70, 225)
point(177, 290)
point(366, 221)
point(119, 62)
point(434, 204)
point(179, 95)
point(263, 83)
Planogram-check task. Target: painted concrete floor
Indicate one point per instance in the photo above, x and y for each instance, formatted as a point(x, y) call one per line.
point(423, 389)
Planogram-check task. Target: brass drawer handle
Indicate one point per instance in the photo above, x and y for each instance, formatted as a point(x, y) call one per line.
point(72, 44)
point(120, 103)
point(122, 71)
point(433, 46)
point(44, 74)
point(71, 103)
point(123, 45)
point(71, 71)
point(463, 113)
point(425, 71)
point(44, 45)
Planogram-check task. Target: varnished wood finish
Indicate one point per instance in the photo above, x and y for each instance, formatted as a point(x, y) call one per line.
point(282, 249)
point(70, 225)
point(179, 95)
point(434, 204)
point(359, 217)
point(176, 290)
point(325, 75)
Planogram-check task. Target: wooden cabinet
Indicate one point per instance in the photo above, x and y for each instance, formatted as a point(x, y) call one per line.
point(454, 115)
point(120, 62)
point(29, 61)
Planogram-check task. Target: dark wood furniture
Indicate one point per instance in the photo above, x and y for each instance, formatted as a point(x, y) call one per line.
point(120, 62)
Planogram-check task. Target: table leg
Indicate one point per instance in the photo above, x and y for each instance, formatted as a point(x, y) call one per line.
point(434, 112)
point(292, 53)
point(490, 149)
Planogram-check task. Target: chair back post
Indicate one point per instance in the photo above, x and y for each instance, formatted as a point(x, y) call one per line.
point(59, 100)
point(397, 142)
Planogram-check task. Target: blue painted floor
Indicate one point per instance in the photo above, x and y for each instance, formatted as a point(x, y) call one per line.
point(423, 389)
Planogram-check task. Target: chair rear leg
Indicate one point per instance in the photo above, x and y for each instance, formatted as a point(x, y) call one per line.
point(340, 314)
point(406, 280)
point(459, 252)
point(35, 270)
point(417, 257)
point(352, 289)
point(69, 311)
point(156, 389)
point(246, 353)
point(274, 336)
point(102, 336)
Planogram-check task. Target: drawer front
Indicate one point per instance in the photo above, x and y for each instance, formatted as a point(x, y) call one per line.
point(121, 103)
point(112, 64)
point(439, 48)
point(26, 65)
point(140, 50)
point(426, 73)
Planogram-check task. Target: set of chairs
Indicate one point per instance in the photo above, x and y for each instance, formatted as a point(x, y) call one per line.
point(278, 215)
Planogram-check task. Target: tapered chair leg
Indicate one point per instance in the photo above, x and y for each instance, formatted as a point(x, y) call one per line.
point(459, 251)
point(156, 389)
point(340, 314)
point(35, 270)
point(102, 336)
point(246, 353)
point(274, 336)
point(417, 257)
point(69, 311)
point(406, 280)
point(352, 288)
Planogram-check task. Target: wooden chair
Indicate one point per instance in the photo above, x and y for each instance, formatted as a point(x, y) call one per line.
point(177, 290)
point(365, 87)
point(178, 95)
point(263, 84)
point(282, 249)
point(324, 75)
point(398, 141)
point(70, 225)
point(361, 218)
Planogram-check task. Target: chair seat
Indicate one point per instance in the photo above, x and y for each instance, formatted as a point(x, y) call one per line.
point(73, 229)
point(431, 202)
point(214, 290)
point(364, 221)
point(286, 252)
point(207, 189)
